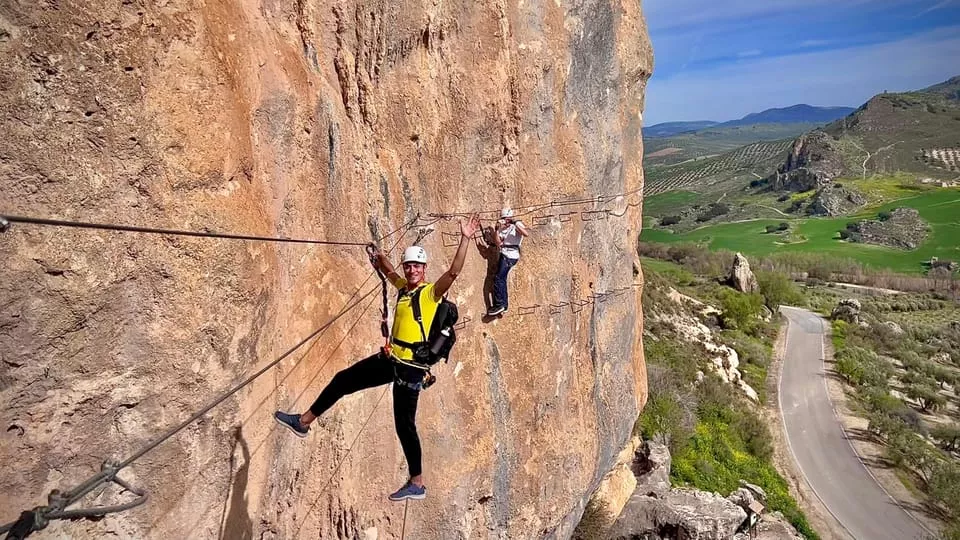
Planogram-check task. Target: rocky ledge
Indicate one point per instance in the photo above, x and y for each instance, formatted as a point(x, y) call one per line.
point(655, 511)
point(902, 228)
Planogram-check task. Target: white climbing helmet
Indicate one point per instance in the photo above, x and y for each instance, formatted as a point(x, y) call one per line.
point(506, 213)
point(415, 254)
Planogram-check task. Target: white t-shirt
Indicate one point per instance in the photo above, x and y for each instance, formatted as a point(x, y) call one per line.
point(510, 239)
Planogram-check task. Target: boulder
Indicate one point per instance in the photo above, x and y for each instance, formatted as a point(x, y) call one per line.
point(742, 497)
point(758, 492)
point(847, 310)
point(941, 358)
point(771, 527)
point(835, 201)
point(893, 327)
point(651, 466)
point(902, 228)
point(681, 514)
point(741, 277)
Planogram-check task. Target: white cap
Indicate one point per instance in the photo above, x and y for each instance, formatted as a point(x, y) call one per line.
point(505, 213)
point(415, 254)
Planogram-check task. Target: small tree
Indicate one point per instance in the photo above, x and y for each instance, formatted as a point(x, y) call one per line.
point(784, 226)
point(777, 290)
point(850, 369)
point(883, 216)
point(927, 396)
point(906, 449)
point(771, 229)
point(948, 435)
point(945, 486)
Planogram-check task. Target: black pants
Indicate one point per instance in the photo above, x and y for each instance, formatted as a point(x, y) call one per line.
point(378, 370)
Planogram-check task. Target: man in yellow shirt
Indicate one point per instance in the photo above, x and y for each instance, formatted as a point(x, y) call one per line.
point(399, 364)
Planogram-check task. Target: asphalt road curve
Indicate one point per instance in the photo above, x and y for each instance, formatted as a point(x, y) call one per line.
point(819, 446)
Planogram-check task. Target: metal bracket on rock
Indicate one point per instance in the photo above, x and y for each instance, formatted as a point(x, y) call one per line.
point(37, 519)
point(450, 239)
point(4, 224)
point(539, 221)
point(527, 310)
point(462, 324)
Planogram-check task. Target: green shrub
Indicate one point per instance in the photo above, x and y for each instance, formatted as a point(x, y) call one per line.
point(662, 420)
point(739, 310)
point(666, 221)
point(778, 289)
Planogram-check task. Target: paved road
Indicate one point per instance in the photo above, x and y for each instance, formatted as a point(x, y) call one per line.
point(819, 446)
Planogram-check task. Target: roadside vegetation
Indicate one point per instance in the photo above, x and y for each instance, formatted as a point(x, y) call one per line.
point(715, 433)
point(903, 374)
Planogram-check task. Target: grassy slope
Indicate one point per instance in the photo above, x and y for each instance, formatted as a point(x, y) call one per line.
point(941, 209)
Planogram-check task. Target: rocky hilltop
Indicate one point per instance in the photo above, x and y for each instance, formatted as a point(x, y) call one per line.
point(341, 121)
point(916, 132)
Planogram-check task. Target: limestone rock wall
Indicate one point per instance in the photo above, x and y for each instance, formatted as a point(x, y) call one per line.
point(335, 120)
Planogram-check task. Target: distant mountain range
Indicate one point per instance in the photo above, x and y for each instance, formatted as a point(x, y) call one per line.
point(796, 114)
point(669, 129)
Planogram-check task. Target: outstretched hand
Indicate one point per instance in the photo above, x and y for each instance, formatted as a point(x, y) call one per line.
point(471, 227)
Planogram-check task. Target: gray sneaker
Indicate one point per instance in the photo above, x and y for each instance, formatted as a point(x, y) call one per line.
point(292, 422)
point(409, 491)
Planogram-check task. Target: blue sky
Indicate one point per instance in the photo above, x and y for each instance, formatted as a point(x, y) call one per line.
point(721, 59)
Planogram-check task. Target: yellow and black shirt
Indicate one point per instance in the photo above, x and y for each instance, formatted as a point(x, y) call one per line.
point(405, 327)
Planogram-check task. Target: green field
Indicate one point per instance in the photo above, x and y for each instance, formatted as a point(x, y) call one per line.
point(940, 209)
point(658, 205)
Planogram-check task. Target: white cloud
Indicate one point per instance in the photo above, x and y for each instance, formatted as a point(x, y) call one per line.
point(935, 7)
point(814, 43)
point(748, 54)
point(836, 77)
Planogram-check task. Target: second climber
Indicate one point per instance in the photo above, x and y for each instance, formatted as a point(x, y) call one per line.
point(508, 235)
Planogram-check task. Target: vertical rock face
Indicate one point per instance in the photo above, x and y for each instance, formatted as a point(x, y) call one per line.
point(334, 120)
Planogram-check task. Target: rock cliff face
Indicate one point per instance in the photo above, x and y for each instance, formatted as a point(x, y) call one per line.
point(813, 162)
point(335, 120)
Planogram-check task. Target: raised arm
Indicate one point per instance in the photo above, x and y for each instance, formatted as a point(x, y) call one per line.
point(467, 230)
point(497, 241)
point(521, 228)
point(383, 264)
